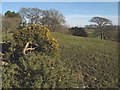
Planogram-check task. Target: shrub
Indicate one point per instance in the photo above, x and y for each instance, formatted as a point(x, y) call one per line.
point(9, 79)
point(38, 71)
point(38, 36)
point(77, 31)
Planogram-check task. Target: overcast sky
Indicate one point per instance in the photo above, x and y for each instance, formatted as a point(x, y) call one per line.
point(76, 13)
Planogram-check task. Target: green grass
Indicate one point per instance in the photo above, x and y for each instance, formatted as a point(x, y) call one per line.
point(6, 36)
point(98, 59)
point(90, 33)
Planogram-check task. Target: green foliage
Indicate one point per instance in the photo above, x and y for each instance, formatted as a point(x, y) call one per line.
point(38, 71)
point(77, 31)
point(35, 70)
point(7, 37)
point(9, 73)
point(11, 14)
point(39, 35)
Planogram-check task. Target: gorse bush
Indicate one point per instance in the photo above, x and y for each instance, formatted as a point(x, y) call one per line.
point(29, 58)
point(39, 38)
point(9, 79)
point(38, 71)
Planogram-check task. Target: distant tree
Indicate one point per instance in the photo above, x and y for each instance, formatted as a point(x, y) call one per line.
point(111, 33)
point(10, 21)
point(30, 15)
point(101, 23)
point(53, 19)
point(64, 29)
point(90, 26)
point(11, 14)
point(78, 31)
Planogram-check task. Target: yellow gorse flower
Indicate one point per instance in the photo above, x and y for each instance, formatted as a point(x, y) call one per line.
point(40, 35)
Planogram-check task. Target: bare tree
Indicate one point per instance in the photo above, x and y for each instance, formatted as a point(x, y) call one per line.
point(101, 23)
point(30, 15)
point(53, 19)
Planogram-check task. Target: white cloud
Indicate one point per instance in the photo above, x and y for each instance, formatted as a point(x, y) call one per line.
point(82, 20)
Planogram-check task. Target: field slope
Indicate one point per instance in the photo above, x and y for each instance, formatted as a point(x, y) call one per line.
point(96, 59)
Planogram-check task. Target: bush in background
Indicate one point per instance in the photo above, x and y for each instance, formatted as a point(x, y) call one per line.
point(78, 31)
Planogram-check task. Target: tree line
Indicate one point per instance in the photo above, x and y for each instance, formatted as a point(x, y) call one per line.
point(52, 19)
point(55, 21)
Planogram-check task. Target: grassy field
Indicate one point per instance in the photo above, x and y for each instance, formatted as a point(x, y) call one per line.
point(90, 33)
point(96, 59)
